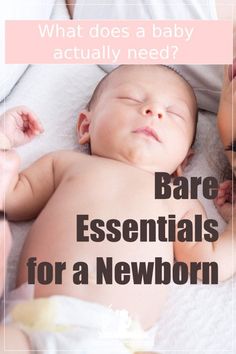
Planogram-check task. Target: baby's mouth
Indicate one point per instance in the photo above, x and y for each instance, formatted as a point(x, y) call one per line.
point(148, 132)
point(232, 70)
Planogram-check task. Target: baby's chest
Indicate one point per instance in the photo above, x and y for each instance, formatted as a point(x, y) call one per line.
point(114, 194)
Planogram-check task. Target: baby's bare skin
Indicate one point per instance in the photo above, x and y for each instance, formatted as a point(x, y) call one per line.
point(117, 181)
point(107, 181)
point(100, 188)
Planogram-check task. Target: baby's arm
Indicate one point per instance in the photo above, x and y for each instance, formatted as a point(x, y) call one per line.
point(222, 251)
point(29, 190)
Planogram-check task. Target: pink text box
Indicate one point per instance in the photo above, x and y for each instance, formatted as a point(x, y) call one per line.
point(119, 42)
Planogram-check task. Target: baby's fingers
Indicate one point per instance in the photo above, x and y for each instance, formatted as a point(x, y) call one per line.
point(31, 122)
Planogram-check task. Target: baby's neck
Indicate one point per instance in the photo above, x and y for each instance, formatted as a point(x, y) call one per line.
point(145, 168)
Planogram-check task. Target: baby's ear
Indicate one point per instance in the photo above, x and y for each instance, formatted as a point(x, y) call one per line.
point(180, 168)
point(83, 127)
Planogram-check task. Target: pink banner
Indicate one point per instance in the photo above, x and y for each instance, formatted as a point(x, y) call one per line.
point(119, 42)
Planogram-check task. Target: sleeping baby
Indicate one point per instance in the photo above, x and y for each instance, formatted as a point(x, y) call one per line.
point(140, 120)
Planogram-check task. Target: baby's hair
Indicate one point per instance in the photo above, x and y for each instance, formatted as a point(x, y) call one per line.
point(98, 90)
point(178, 73)
point(190, 86)
point(102, 81)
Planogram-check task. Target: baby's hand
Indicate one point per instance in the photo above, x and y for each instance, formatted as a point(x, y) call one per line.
point(20, 126)
point(225, 199)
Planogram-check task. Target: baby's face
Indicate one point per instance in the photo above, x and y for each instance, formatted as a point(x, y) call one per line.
point(144, 116)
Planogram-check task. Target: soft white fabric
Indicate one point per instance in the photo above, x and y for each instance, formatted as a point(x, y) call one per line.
point(205, 79)
point(65, 323)
point(18, 10)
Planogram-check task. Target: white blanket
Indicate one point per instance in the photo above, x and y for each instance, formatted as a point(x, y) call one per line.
point(197, 318)
point(18, 10)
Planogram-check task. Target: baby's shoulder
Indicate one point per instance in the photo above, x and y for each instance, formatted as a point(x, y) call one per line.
point(65, 160)
point(65, 157)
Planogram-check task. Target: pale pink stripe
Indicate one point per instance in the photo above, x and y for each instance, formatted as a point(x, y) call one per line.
point(210, 43)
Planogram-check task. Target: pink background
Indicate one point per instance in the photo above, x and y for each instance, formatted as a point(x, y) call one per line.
point(211, 42)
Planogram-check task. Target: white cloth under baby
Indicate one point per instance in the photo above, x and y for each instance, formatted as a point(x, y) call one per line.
point(60, 324)
point(18, 10)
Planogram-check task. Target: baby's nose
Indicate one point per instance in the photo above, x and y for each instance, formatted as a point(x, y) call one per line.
point(153, 109)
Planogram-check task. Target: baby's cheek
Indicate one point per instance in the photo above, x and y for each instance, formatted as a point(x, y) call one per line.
point(178, 146)
point(183, 135)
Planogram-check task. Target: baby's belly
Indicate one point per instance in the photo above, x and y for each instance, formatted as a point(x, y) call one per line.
point(120, 274)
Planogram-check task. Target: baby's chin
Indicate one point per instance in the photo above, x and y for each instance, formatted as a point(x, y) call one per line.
point(141, 163)
point(145, 163)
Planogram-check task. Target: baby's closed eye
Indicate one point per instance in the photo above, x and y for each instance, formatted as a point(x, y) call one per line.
point(130, 98)
point(177, 111)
